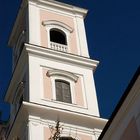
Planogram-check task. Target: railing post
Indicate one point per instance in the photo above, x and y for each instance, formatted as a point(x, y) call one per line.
point(58, 47)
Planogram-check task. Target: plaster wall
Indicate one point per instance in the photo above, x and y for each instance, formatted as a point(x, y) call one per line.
point(36, 83)
point(38, 35)
point(68, 132)
point(48, 92)
point(43, 131)
point(47, 16)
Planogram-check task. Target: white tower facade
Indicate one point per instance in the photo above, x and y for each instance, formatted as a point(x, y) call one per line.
point(53, 82)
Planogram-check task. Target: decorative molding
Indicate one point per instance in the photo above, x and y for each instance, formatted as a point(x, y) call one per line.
point(57, 24)
point(61, 56)
point(46, 109)
point(97, 133)
point(62, 6)
point(63, 103)
point(63, 73)
point(53, 24)
point(35, 123)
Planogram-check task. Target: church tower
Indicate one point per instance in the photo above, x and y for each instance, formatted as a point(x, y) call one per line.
point(52, 91)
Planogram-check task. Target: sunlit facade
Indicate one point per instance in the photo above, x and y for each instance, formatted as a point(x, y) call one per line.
point(52, 92)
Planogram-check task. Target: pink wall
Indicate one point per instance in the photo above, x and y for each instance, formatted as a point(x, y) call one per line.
point(79, 93)
point(85, 137)
point(47, 86)
point(47, 133)
point(48, 89)
point(46, 16)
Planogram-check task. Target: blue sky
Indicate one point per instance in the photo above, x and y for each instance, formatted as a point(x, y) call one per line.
point(113, 34)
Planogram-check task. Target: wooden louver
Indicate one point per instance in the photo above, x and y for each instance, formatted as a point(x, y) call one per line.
point(63, 92)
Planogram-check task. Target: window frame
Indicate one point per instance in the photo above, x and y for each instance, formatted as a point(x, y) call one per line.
point(63, 76)
point(60, 32)
point(53, 24)
point(54, 78)
point(69, 86)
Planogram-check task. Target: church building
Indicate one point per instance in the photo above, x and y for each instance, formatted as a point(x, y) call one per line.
point(52, 91)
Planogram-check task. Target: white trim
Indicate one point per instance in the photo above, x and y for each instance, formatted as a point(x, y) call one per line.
point(66, 126)
point(77, 37)
point(50, 24)
point(62, 7)
point(34, 24)
point(60, 77)
point(60, 56)
point(53, 88)
point(63, 74)
point(57, 23)
point(41, 83)
point(48, 110)
point(81, 34)
point(93, 121)
point(84, 91)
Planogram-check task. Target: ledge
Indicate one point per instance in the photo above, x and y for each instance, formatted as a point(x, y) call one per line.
point(61, 56)
point(52, 113)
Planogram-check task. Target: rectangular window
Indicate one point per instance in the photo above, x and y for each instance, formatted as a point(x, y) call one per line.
point(63, 92)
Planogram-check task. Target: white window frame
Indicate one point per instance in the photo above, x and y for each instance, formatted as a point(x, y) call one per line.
point(64, 76)
point(53, 24)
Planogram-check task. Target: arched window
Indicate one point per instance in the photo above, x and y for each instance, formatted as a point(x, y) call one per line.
point(63, 92)
point(58, 36)
point(66, 138)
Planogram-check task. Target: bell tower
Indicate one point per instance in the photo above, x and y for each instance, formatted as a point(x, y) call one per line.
point(52, 91)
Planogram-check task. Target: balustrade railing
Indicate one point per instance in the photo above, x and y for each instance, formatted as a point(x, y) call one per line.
point(58, 47)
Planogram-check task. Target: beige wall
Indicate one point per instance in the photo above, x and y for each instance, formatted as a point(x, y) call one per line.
point(46, 16)
point(131, 132)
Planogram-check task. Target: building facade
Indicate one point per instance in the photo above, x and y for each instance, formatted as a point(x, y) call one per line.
point(52, 91)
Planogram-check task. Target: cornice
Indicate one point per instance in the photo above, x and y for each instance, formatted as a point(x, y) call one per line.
point(61, 6)
point(53, 112)
point(62, 56)
point(76, 11)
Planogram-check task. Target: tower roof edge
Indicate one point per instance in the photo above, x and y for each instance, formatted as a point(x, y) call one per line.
point(61, 5)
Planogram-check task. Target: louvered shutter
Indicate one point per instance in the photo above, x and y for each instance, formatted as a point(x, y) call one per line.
point(66, 92)
point(58, 85)
point(63, 92)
